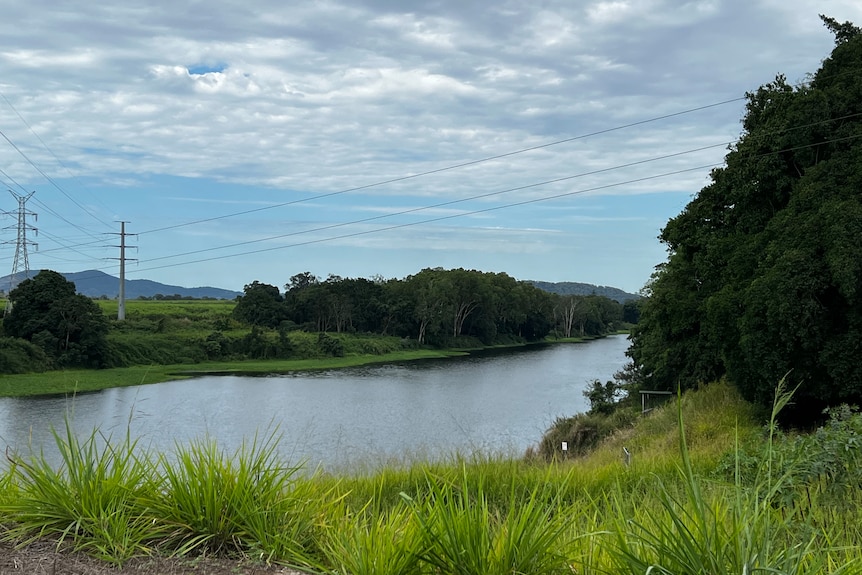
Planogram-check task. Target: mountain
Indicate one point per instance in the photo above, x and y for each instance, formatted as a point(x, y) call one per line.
point(93, 283)
point(575, 288)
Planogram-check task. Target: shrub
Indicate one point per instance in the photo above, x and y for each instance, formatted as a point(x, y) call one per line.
point(582, 433)
point(20, 356)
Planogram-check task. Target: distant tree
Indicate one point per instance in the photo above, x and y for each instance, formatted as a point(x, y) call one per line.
point(301, 281)
point(261, 305)
point(631, 311)
point(70, 328)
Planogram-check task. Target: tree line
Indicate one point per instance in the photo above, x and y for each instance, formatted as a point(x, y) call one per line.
point(50, 326)
point(435, 307)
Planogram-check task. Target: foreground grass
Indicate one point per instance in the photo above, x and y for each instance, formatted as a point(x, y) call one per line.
point(84, 380)
point(674, 510)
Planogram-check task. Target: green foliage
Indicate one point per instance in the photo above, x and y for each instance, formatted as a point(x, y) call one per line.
point(70, 328)
point(247, 502)
point(95, 501)
point(330, 345)
point(260, 306)
point(735, 530)
point(464, 535)
point(823, 467)
point(374, 542)
point(125, 349)
point(763, 273)
point(603, 397)
point(21, 356)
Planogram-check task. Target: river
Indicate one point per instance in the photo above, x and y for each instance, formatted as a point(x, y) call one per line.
point(492, 402)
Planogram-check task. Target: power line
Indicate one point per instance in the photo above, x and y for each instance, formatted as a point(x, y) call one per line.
point(444, 204)
point(451, 167)
point(490, 194)
point(479, 161)
point(52, 182)
point(494, 208)
point(44, 145)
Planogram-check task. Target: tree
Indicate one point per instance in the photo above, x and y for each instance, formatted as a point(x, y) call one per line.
point(69, 327)
point(764, 269)
point(261, 305)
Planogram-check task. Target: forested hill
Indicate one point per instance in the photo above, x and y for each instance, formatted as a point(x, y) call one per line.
point(576, 288)
point(94, 283)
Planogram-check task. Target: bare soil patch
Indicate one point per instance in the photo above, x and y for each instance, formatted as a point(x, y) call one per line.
point(43, 558)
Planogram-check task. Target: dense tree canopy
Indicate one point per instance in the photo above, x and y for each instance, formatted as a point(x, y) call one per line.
point(433, 307)
point(47, 312)
point(764, 273)
point(260, 305)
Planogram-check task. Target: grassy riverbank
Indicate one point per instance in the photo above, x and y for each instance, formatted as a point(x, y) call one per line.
point(84, 380)
point(692, 505)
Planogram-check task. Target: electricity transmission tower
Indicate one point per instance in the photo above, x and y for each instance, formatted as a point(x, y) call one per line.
point(21, 262)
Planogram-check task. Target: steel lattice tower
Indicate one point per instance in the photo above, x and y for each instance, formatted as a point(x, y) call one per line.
point(21, 259)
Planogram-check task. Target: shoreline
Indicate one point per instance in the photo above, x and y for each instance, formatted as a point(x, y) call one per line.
point(71, 382)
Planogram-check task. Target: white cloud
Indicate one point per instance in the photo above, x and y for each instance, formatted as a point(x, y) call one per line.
point(309, 98)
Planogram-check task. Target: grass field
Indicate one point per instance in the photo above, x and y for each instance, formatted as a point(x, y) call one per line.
point(195, 308)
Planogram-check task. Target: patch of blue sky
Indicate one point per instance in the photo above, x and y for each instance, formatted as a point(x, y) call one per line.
point(201, 69)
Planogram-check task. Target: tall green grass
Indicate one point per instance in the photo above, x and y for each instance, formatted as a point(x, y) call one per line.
point(465, 535)
point(246, 503)
point(693, 528)
point(373, 541)
point(96, 501)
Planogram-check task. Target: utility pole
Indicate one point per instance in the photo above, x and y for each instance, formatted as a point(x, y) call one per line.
point(121, 308)
point(21, 242)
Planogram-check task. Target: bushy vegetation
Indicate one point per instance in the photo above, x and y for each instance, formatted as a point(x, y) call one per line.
point(20, 356)
point(763, 274)
point(70, 329)
point(673, 509)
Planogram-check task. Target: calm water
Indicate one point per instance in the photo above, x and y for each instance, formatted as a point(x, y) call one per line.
point(493, 402)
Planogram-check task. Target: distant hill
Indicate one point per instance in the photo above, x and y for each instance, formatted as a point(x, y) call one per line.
point(94, 283)
point(575, 288)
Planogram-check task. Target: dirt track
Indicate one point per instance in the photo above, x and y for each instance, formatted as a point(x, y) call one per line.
point(42, 558)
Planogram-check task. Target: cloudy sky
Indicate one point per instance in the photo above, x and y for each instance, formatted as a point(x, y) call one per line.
point(255, 140)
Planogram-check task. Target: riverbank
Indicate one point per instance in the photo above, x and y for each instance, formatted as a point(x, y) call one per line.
point(75, 381)
point(86, 380)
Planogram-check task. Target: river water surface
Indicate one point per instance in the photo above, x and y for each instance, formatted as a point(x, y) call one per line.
point(492, 402)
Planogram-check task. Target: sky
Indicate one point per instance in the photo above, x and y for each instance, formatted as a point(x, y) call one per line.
point(255, 140)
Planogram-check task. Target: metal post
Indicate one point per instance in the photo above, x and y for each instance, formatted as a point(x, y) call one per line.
point(121, 307)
